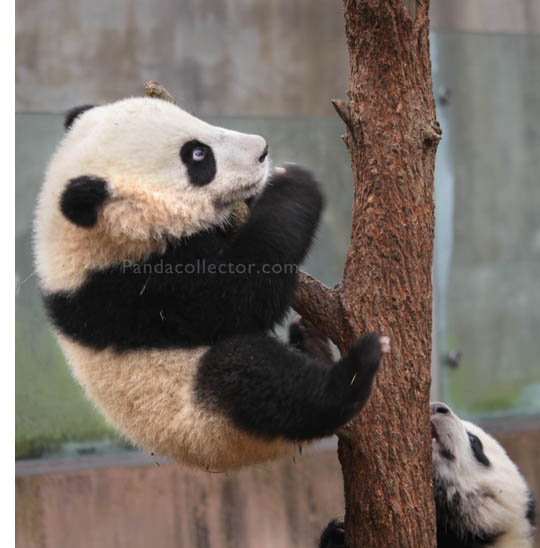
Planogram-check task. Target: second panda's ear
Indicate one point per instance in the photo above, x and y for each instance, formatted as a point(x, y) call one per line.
point(73, 114)
point(82, 198)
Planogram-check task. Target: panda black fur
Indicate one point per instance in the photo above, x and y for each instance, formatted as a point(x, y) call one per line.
point(481, 499)
point(181, 361)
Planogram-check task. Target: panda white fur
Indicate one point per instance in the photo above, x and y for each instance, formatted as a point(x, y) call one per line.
point(480, 496)
point(481, 499)
point(162, 310)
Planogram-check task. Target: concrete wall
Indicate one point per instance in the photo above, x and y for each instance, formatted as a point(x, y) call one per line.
point(227, 57)
point(280, 505)
point(516, 17)
point(232, 57)
point(492, 310)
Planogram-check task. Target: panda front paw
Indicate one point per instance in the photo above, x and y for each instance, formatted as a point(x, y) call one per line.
point(295, 184)
point(333, 536)
point(385, 343)
point(357, 370)
point(366, 355)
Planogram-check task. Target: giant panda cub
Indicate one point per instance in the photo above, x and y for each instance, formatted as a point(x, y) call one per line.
point(480, 496)
point(481, 499)
point(163, 311)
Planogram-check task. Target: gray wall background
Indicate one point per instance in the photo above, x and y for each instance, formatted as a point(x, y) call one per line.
point(226, 57)
point(488, 219)
point(287, 58)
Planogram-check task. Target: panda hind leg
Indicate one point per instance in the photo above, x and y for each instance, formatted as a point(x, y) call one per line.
point(304, 336)
point(272, 391)
point(333, 535)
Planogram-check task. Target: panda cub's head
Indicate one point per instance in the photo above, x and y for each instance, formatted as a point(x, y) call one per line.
point(128, 175)
point(480, 496)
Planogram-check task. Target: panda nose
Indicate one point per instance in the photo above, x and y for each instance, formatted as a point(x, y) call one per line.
point(264, 154)
point(439, 408)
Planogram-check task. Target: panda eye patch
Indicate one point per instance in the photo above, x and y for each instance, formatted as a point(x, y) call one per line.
point(200, 162)
point(478, 449)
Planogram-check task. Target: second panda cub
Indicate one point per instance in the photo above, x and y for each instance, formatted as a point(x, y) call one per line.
point(480, 496)
point(481, 499)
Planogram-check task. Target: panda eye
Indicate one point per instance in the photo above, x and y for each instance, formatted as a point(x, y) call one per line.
point(474, 440)
point(198, 154)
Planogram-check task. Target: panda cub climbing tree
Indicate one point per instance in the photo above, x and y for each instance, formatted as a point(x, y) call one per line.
point(163, 310)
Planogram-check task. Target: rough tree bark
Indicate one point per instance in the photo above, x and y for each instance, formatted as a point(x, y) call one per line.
point(392, 136)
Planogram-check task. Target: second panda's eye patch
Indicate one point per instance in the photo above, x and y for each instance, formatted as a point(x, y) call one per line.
point(478, 449)
point(200, 162)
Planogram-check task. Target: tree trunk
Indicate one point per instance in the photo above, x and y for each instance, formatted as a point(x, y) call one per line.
point(392, 137)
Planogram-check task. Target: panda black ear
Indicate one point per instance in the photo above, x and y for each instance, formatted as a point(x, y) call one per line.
point(82, 198)
point(73, 114)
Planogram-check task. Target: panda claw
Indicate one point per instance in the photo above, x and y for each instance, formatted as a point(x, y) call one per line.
point(385, 344)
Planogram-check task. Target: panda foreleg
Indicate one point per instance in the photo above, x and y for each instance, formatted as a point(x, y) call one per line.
point(273, 391)
point(282, 223)
point(261, 262)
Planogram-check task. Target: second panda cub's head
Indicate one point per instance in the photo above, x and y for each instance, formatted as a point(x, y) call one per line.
point(128, 175)
point(480, 496)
